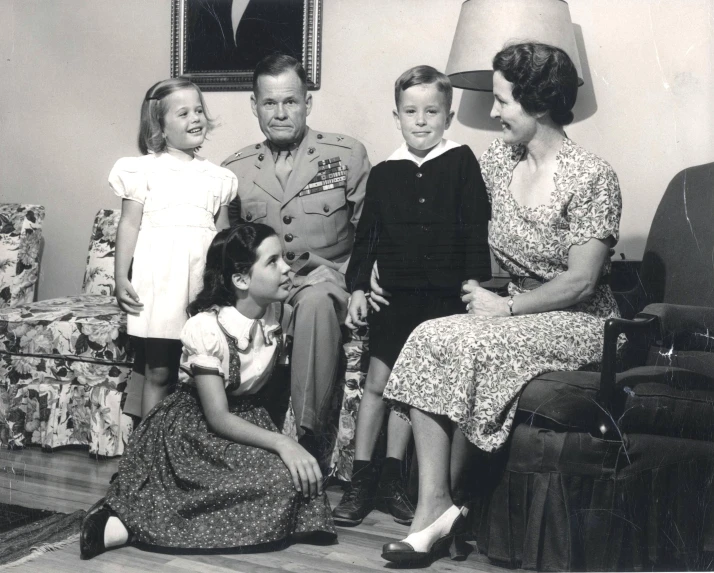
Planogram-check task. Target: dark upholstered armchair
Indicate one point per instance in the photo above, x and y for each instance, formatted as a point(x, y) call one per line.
point(615, 471)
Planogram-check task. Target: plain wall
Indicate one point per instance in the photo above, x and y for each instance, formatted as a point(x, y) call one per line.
point(74, 73)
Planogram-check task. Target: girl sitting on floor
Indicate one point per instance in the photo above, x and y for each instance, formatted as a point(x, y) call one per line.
point(208, 468)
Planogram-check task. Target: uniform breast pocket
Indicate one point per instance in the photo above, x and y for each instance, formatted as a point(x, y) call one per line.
point(254, 211)
point(326, 218)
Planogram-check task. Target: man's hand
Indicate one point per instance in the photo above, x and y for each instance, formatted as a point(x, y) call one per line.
point(357, 311)
point(378, 294)
point(323, 274)
point(127, 298)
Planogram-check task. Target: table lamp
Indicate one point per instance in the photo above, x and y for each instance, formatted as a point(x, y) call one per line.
point(486, 26)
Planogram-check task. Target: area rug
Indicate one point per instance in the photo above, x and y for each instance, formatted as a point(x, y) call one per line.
point(12, 516)
point(27, 533)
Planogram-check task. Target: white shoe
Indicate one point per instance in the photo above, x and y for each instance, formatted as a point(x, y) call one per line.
point(430, 541)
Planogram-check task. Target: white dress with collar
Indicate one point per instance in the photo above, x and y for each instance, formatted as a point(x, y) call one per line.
point(181, 200)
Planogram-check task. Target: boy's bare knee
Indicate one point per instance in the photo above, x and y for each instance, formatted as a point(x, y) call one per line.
point(374, 388)
point(375, 385)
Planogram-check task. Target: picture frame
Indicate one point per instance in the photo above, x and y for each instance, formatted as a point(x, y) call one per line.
point(217, 43)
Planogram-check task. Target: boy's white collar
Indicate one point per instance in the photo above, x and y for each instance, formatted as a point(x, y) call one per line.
point(440, 148)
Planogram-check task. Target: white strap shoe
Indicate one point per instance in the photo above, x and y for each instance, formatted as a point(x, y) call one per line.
point(430, 541)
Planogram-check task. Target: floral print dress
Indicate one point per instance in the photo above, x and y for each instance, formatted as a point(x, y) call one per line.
point(472, 369)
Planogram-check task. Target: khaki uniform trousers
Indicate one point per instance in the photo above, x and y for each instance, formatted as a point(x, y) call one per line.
point(319, 311)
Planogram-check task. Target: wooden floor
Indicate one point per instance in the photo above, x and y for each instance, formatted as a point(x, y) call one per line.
point(69, 480)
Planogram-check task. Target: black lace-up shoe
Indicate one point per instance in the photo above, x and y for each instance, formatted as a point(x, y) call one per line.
point(397, 502)
point(357, 501)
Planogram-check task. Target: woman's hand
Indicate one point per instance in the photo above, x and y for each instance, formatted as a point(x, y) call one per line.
point(127, 298)
point(377, 294)
point(303, 468)
point(357, 311)
point(482, 302)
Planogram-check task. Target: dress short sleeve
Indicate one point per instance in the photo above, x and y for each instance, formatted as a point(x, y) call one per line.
point(203, 346)
point(128, 179)
point(229, 188)
point(492, 162)
point(594, 212)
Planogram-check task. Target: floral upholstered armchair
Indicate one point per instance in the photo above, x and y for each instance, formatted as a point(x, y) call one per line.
point(20, 238)
point(64, 362)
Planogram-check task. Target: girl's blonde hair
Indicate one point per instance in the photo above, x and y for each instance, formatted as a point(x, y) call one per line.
point(153, 111)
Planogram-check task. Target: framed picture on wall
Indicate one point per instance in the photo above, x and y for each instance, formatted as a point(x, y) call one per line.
point(217, 43)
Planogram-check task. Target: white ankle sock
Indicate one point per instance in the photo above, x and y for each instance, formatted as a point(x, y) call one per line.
point(115, 533)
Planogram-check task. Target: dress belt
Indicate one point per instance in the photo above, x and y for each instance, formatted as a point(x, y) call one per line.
point(525, 282)
point(240, 403)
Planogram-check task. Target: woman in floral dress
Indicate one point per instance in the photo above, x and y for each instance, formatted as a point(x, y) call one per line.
point(555, 215)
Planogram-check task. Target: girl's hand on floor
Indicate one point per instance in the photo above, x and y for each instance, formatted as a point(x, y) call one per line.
point(303, 468)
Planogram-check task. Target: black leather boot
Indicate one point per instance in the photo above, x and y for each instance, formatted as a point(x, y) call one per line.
point(397, 501)
point(359, 497)
point(393, 492)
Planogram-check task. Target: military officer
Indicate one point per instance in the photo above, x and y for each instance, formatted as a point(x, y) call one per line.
point(309, 186)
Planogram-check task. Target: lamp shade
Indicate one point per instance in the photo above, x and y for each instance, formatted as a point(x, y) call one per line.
point(486, 26)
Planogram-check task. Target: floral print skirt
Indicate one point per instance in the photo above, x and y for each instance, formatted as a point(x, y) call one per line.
point(180, 485)
point(472, 369)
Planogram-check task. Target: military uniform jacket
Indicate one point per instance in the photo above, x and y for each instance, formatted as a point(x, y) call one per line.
point(317, 214)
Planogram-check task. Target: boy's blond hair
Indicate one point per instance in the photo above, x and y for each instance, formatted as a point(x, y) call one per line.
point(419, 75)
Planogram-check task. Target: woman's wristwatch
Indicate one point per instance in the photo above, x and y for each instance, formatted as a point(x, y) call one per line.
point(510, 306)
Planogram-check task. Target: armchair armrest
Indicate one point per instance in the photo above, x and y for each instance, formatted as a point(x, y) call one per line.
point(683, 325)
point(626, 286)
point(670, 324)
point(614, 327)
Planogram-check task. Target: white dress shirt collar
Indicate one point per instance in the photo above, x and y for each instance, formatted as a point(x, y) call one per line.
point(439, 149)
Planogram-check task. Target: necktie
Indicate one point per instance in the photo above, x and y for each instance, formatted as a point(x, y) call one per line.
point(283, 167)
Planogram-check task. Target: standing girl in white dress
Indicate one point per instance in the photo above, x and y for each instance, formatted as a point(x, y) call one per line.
point(172, 202)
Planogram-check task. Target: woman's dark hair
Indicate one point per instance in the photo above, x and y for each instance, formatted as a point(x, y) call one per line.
point(544, 78)
point(233, 251)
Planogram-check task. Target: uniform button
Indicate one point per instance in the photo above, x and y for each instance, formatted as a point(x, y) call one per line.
point(261, 157)
point(288, 237)
point(311, 150)
point(320, 136)
point(421, 199)
point(249, 217)
point(290, 255)
point(257, 145)
point(325, 208)
point(287, 219)
point(418, 174)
